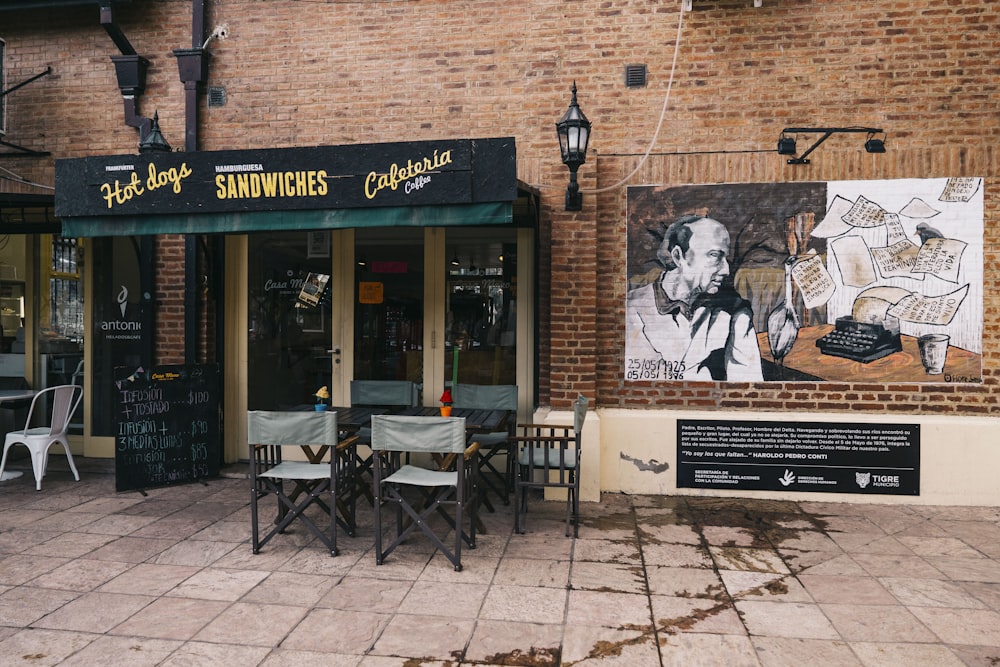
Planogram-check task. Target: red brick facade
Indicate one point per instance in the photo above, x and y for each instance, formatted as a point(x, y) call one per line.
point(309, 73)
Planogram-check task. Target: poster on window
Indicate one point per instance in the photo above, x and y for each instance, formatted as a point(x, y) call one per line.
point(836, 281)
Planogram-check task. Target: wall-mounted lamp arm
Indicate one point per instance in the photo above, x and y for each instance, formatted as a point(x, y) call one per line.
point(827, 133)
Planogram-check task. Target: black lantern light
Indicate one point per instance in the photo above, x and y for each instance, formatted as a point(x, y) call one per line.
point(574, 133)
point(154, 141)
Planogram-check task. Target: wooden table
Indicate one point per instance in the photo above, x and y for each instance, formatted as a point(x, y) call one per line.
point(806, 363)
point(14, 396)
point(476, 421)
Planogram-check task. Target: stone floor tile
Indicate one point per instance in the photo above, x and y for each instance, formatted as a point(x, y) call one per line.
point(22, 606)
point(20, 540)
point(944, 547)
point(61, 522)
point(545, 546)
point(678, 615)
point(873, 623)
point(850, 524)
point(976, 656)
point(203, 654)
point(70, 545)
point(94, 612)
point(224, 531)
point(475, 567)
point(592, 646)
point(513, 643)
point(336, 631)
point(668, 533)
point(365, 594)
point(785, 619)
point(891, 565)
point(624, 552)
point(286, 658)
point(967, 569)
point(42, 648)
point(962, 626)
point(790, 652)
point(173, 527)
point(748, 560)
point(524, 603)
point(81, 574)
point(193, 552)
point(676, 555)
point(170, 618)
point(600, 608)
point(610, 577)
point(532, 572)
point(17, 517)
point(400, 564)
point(149, 579)
point(20, 569)
point(290, 588)
point(704, 650)
point(729, 536)
point(821, 562)
point(846, 589)
point(802, 540)
point(424, 637)
point(273, 557)
point(122, 652)
point(866, 543)
point(685, 582)
point(987, 593)
point(218, 584)
point(131, 549)
point(252, 624)
point(904, 655)
point(452, 600)
point(764, 586)
point(913, 592)
point(393, 661)
point(117, 524)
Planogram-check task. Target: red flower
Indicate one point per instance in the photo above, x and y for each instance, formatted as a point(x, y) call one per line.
point(446, 397)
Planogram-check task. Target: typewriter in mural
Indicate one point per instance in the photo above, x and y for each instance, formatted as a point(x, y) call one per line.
point(860, 341)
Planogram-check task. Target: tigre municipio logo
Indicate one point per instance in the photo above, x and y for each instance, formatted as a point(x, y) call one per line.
point(787, 478)
point(863, 478)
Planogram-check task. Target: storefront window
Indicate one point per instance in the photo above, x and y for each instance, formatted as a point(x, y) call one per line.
point(117, 326)
point(480, 320)
point(289, 315)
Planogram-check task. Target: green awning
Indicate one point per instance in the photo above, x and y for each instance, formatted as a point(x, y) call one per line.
point(489, 213)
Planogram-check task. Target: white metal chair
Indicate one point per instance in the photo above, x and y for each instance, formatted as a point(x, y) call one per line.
point(492, 446)
point(422, 492)
point(268, 434)
point(548, 456)
point(64, 400)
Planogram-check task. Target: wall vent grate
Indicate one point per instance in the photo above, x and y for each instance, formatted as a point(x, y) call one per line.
point(635, 76)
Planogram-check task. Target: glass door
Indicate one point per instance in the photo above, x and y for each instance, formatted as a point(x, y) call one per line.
point(442, 301)
point(389, 305)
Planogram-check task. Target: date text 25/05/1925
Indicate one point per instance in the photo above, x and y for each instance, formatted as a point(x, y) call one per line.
point(654, 369)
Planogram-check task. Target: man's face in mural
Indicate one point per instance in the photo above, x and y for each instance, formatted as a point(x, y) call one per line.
point(702, 268)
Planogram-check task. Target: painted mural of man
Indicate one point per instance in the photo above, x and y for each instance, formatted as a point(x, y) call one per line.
point(685, 325)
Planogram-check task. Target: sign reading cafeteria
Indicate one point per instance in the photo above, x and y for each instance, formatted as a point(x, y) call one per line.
point(322, 177)
point(839, 281)
point(799, 456)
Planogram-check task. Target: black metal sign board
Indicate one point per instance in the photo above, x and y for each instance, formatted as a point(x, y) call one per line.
point(167, 426)
point(799, 456)
point(421, 173)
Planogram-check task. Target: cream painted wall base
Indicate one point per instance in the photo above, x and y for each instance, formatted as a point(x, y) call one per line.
point(959, 456)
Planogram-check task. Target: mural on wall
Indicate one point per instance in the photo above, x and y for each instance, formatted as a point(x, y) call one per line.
point(835, 281)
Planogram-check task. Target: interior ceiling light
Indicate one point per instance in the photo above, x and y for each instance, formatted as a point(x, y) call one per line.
point(786, 144)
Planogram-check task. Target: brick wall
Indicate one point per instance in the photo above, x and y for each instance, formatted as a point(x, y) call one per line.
point(305, 73)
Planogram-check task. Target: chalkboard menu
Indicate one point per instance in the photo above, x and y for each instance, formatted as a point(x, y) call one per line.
point(166, 425)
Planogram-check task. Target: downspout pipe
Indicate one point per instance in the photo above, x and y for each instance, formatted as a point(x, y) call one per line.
point(130, 68)
point(192, 64)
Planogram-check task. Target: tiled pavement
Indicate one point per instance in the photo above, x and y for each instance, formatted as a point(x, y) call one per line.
point(93, 577)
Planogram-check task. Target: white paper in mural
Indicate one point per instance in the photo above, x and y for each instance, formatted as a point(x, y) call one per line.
point(927, 246)
point(837, 281)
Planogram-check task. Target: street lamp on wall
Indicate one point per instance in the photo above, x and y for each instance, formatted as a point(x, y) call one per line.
point(574, 134)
